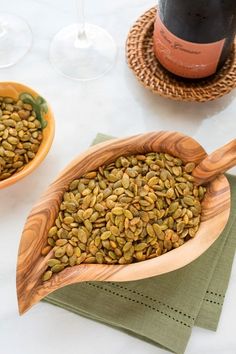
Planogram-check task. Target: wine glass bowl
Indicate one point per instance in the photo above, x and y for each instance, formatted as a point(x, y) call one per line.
point(82, 51)
point(82, 55)
point(15, 39)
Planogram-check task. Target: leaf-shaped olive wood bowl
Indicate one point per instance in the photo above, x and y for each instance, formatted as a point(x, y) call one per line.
point(43, 114)
point(215, 213)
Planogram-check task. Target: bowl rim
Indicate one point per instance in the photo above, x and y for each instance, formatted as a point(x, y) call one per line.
point(44, 146)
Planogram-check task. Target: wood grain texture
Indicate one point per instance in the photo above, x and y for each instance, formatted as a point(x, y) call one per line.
point(13, 90)
point(216, 163)
point(31, 265)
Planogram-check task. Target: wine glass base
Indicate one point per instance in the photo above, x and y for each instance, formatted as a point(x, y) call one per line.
point(82, 55)
point(15, 39)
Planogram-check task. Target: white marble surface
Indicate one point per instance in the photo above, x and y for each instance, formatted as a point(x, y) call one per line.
point(115, 104)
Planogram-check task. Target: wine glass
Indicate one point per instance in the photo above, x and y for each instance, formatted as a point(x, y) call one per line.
point(82, 51)
point(15, 39)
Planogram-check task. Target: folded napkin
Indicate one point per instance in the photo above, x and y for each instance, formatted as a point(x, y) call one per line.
point(161, 309)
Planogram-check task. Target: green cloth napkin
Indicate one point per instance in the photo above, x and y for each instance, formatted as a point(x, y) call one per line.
point(161, 309)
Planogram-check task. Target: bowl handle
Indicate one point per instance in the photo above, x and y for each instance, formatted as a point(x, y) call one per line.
point(216, 163)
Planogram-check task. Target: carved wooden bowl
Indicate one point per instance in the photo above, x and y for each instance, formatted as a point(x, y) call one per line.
point(15, 90)
point(215, 213)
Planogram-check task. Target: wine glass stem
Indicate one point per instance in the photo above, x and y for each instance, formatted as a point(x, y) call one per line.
point(81, 20)
point(82, 40)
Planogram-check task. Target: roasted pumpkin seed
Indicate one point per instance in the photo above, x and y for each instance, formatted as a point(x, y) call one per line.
point(20, 136)
point(134, 209)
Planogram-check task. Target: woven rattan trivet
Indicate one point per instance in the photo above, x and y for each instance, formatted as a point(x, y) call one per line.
point(141, 59)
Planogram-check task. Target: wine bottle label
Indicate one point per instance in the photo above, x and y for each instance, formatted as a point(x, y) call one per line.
point(183, 58)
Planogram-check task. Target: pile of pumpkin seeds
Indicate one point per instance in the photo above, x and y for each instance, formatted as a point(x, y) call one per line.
point(20, 135)
point(136, 208)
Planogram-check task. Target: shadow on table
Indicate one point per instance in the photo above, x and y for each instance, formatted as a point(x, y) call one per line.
point(175, 115)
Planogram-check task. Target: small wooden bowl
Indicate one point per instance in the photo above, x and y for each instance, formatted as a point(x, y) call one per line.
point(13, 90)
point(31, 265)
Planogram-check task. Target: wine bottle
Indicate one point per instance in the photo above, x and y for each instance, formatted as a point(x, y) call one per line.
point(193, 38)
